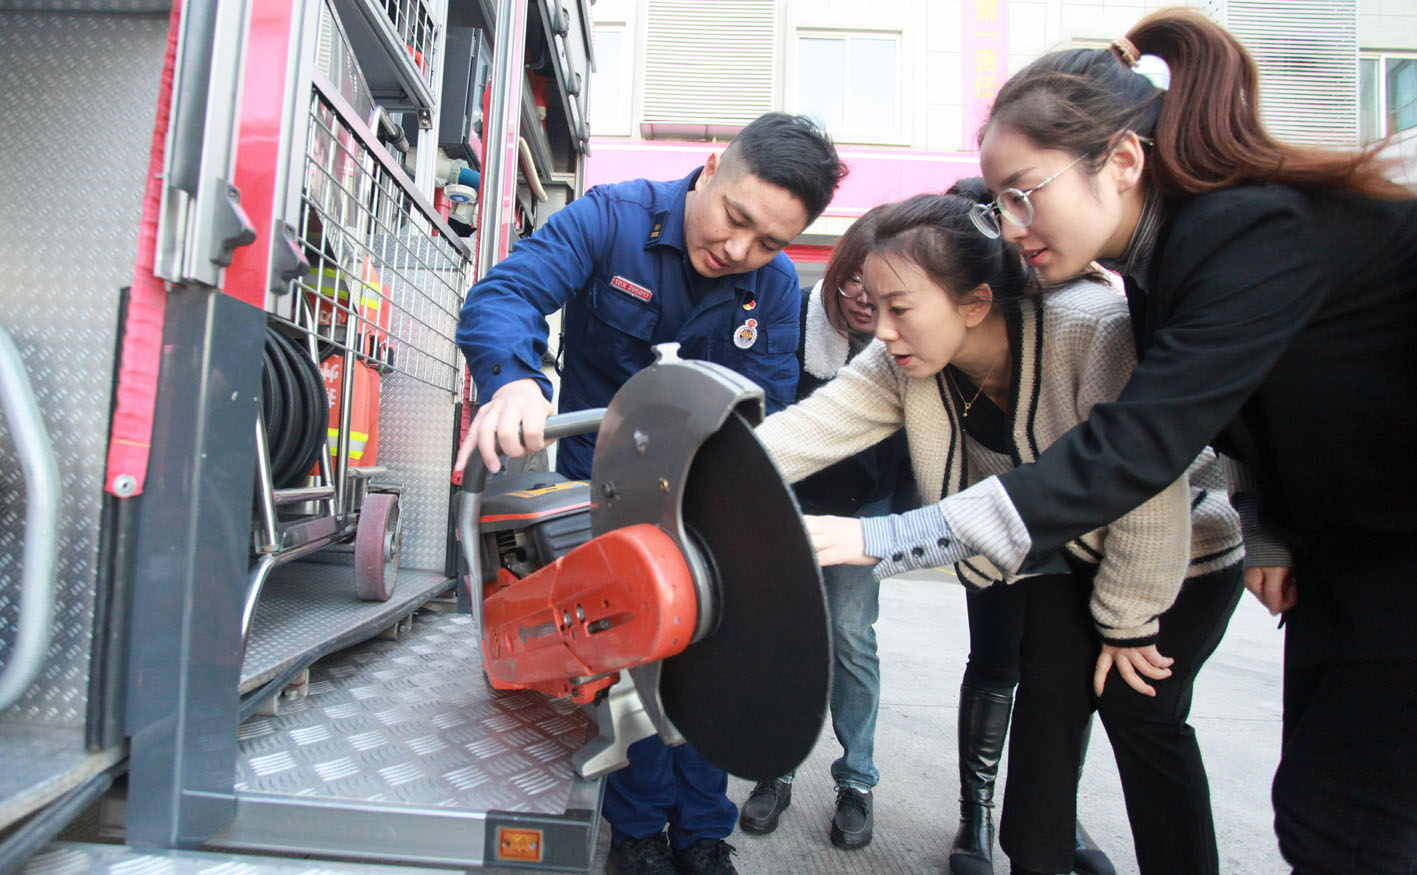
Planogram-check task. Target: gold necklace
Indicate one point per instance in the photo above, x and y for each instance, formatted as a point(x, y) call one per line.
point(970, 403)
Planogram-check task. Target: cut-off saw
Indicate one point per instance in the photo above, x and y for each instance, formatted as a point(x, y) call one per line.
point(676, 593)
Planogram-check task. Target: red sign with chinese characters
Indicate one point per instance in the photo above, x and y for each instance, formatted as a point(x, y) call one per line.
point(986, 52)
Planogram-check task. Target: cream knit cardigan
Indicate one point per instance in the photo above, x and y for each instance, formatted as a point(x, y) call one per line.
point(1143, 558)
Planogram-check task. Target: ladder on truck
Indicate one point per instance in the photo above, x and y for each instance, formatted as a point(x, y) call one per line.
point(231, 401)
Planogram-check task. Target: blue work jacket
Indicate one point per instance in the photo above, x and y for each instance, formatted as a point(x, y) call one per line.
point(616, 259)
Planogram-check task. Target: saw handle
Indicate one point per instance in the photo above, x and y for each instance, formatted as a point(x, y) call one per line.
point(468, 505)
point(561, 425)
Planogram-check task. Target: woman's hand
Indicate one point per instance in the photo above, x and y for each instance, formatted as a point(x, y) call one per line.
point(1274, 587)
point(838, 540)
point(1131, 663)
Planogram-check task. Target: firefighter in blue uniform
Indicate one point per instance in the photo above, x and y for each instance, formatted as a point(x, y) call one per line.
point(697, 261)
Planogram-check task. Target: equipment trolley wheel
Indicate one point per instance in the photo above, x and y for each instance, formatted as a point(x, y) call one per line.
point(377, 545)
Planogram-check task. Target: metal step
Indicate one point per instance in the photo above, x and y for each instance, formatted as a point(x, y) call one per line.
point(309, 609)
point(400, 752)
point(69, 858)
point(38, 764)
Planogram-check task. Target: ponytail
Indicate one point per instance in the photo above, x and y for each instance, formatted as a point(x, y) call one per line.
point(1206, 125)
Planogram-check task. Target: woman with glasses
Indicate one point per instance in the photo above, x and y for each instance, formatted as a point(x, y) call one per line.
point(984, 373)
point(837, 323)
point(1273, 294)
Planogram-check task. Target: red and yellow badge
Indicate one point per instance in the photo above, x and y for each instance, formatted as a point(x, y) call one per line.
point(746, 334)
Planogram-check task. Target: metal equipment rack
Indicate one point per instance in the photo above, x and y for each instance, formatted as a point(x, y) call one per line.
point(181, 613)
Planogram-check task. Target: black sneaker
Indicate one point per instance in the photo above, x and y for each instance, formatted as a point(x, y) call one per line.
point(765, 805)
point(851, 825)
point(649, 856)
point(706, 857)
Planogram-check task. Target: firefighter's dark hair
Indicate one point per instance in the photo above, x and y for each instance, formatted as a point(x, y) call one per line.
point(791, 152)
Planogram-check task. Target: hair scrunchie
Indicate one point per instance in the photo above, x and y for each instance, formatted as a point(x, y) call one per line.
point(1153, 68)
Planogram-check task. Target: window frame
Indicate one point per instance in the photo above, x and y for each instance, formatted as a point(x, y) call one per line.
point(1380, 95)
point(897, 135)
point(624, 112)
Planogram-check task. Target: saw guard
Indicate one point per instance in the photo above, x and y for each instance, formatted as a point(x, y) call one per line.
point(616, 601)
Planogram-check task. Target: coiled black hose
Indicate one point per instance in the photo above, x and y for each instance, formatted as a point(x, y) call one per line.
point(295, 407)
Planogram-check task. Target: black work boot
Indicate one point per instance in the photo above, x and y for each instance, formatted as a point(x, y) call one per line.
point(649, 856)
point(851, 823)
point(706, 857)
point(765, 805)
point(983, 725)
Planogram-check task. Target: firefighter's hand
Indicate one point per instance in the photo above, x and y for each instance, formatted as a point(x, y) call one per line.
point(513, 419)
point(838, 540)
point(1274, 587)
point(1132, 663)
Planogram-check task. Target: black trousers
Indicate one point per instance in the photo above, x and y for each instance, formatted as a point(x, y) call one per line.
point(1345, 792)
point(1163, 777)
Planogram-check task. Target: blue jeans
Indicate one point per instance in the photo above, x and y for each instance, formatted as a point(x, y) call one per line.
point(854, 603)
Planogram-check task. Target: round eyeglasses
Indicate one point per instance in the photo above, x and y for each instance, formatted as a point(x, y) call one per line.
point(1013, 204)
point(853, 282)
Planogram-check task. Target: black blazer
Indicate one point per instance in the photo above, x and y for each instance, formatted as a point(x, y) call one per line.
point(1281, 326)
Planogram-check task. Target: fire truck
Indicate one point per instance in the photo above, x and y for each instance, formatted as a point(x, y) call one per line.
point(237, 237)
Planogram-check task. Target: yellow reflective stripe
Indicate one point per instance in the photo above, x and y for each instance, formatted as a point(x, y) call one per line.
point(358, 440)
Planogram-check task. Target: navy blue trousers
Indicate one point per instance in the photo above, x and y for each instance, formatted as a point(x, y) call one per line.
point(668, 785)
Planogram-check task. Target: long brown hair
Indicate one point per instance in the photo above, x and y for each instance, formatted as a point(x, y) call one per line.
point(1206, 126)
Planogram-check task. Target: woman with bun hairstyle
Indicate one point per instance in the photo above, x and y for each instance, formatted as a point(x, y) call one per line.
point(1273, 294)
point(984, 374)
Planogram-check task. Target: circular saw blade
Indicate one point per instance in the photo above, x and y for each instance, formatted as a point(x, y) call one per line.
point(751, 696)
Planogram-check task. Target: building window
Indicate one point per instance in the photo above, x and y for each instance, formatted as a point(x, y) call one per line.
point(611, 83)
point(1387, 95)
point(850, 83)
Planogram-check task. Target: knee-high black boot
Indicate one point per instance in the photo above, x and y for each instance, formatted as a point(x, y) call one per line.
point(1088, 858)
point(983, 725)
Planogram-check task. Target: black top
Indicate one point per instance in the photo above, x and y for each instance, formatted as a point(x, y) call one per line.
point(1281, 326)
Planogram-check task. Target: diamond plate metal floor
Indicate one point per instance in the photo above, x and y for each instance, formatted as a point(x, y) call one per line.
point(309, 609)
point(400, 751)
point(63, 858)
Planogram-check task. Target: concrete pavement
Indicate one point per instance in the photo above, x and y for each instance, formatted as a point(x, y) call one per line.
point(924, 641)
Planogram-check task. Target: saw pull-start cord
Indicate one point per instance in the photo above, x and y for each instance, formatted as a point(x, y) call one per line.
point(617, 601)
